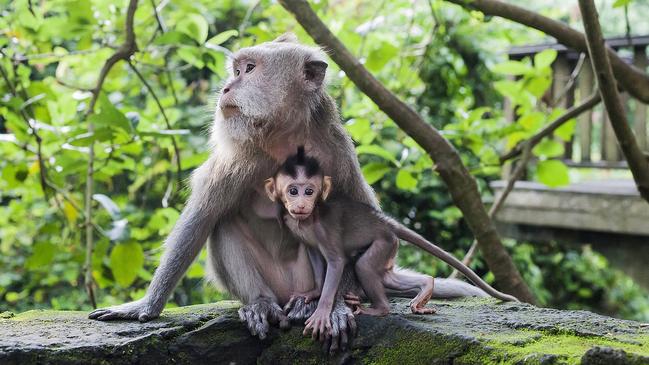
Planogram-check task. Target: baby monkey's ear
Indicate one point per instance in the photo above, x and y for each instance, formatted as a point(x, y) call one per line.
point(326, 188)
point(269, 185)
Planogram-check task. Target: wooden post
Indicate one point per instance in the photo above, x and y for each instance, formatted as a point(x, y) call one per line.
point(609, 141)
point(510, 116)
point(640, 114)
point(560, 78)
point(584, 129)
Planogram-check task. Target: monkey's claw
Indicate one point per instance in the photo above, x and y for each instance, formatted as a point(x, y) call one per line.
point(260, 314)
point(297, 309)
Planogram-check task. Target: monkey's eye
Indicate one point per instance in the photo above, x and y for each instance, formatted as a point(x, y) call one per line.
point(237, 72)
point(249, 67)
point(308, 191)
point(292, 191)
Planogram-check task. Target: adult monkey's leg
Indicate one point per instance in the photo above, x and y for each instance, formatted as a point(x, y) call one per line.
point(237, 261)
point(214, 193)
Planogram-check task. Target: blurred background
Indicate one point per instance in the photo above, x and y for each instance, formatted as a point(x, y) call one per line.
point(152, 119)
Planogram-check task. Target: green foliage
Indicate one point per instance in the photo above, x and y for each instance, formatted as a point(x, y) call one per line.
point(437, 57)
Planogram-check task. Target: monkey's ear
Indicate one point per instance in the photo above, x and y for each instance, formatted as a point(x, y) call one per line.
point(269, 185)
point(326, 188)
point(314, 73)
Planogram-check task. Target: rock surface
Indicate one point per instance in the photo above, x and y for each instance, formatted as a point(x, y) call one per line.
point(469, 331)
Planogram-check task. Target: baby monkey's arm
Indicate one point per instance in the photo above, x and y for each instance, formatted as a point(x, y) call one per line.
point(330, 245)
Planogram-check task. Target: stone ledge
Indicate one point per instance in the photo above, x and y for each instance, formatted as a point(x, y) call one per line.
point(469, 331)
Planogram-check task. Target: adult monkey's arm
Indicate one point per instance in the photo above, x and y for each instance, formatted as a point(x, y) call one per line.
point(461, 184)
point(632, 79)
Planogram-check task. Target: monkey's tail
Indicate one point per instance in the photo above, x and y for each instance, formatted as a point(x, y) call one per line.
point(411, 236)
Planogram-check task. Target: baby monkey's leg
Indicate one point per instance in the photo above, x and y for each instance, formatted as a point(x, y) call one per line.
point(371, 268)
point(406, 283)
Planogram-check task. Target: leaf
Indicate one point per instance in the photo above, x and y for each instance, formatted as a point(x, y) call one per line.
point(374, 171)
point(553, 173)
point(544, 58)
point(405, 180)
point(126, 260)
point(71, 213)
point(376, 150)
point(532, 121)
point(507, 88)
point(513, 68)
point(621, 3)
point(548, 148)
point(41, 256)
point(566, 131)
point(360, 130)
point(222, 37)
point(191, 55)
point(380, 56)
point(174, 38)
point(195, 26)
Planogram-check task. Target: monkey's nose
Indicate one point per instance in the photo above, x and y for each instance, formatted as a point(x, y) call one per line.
point(225, 90)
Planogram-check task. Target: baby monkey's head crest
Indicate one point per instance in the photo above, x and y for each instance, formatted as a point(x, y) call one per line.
point(299, 184)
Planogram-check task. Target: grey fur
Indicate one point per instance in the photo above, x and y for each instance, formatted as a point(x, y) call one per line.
point(276, 106)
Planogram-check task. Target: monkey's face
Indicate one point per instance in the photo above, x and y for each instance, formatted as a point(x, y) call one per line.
point(299, 195)
point(270, 86)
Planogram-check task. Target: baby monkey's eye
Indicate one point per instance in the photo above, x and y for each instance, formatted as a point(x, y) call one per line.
point(249, 67)
point(292, 191)
point(308, 191)
point(237, 72)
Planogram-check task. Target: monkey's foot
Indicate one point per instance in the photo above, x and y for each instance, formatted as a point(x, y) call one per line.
point(260, 313)
point(420, 309)
point(353, 301)
point(379, 312)
point(343, 328)
point(298, 309)
point(139, 310)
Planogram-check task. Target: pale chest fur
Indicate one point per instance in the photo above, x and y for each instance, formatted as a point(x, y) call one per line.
point(303, 231)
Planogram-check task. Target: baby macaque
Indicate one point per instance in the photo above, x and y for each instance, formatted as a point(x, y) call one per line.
point(343, 230)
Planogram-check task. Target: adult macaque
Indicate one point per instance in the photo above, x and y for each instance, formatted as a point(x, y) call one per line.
point(347, 231)
point(274, 101)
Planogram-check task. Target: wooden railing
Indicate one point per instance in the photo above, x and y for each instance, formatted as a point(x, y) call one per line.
point(594, 143)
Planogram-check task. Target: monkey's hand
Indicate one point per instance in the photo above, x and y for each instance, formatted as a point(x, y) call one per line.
point(298, 309)
point(319, 324)
point(343, 327)
point(260, 313)
point(139, 309)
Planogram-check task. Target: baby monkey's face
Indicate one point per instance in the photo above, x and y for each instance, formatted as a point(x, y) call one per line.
point(299, 194)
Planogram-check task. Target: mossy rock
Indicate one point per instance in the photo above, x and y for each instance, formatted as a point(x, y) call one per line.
point(468, 331)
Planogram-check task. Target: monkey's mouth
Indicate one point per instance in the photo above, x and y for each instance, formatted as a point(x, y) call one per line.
point(229, 110)
point(300, 216)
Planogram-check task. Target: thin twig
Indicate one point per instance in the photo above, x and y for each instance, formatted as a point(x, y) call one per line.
point(571, 81)
point(166, 119)
point(571, 113)
point(124, 52)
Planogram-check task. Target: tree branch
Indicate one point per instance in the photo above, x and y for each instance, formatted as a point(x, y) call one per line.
point(632, 79)
point(608, 90)
point(495, 207)
point(461, 184)
point(571, 113)
point(124, 51)
point(166, 119)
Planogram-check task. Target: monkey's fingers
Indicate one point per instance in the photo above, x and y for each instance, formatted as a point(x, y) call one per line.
point(351, 322)
point(291, 303)
point(262, 325)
